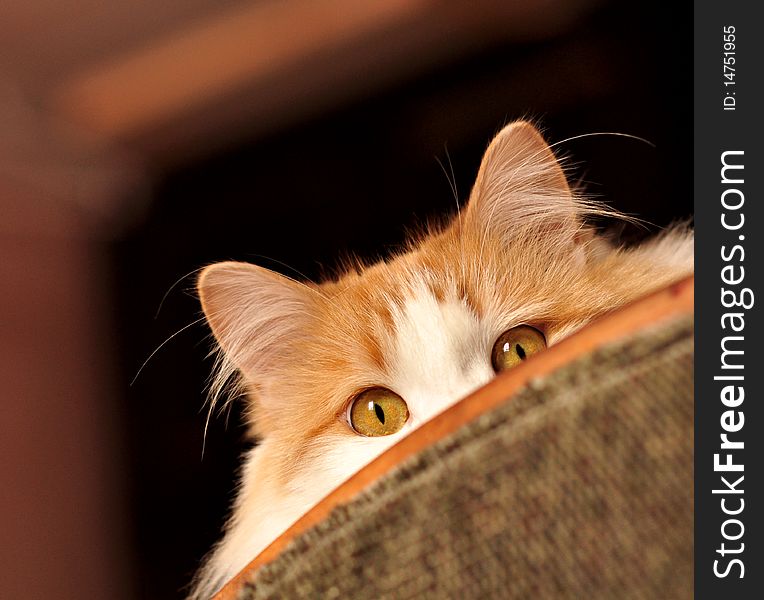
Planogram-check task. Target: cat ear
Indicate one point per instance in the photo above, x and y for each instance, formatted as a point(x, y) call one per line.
point(254, 313)
point(520, 186)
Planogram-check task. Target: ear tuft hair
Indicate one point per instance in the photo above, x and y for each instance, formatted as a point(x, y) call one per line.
point(254, 313)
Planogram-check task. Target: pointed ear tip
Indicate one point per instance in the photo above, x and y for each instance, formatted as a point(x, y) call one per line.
point(204, 283)
point(206, 274)
point(228, 275)
point(209, 274)
point(217, 279)
point(522, 123)
point(523, 128)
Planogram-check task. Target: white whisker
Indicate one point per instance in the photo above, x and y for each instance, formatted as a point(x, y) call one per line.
point(158, 348)
point(172, 287)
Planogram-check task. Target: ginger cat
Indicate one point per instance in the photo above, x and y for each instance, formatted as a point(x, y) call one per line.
point(337, 372)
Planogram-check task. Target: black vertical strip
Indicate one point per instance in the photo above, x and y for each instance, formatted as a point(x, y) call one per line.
point(728, 109)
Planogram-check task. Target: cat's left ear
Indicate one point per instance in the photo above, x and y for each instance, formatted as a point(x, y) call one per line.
point(521, 187)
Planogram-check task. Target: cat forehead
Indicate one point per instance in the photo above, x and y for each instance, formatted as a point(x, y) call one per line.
point(433, 269)
point(438, 294)
point(374, 300)
point(439, 351)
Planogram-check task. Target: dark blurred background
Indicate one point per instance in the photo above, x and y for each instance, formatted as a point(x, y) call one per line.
point(141, 141)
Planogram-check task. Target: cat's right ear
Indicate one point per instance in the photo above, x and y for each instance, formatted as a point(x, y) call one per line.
point(254, 313)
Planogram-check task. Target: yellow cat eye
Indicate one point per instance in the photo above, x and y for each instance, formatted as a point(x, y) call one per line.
point(515, 345)
point(378, 411)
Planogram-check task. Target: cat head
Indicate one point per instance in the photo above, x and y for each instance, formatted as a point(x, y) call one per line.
point(400, 340)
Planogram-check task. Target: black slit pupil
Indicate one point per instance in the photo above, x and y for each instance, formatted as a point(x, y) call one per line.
point(380, 413)
point(520, 351)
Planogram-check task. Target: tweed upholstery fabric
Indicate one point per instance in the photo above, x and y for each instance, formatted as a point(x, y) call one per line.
point(581, 486)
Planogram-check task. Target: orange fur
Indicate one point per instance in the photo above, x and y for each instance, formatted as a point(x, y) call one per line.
point(520, 252)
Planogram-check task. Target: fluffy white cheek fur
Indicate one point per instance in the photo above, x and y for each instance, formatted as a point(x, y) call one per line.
point(441, 353)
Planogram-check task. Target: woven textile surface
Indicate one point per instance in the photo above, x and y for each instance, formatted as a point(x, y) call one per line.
point(581, 486)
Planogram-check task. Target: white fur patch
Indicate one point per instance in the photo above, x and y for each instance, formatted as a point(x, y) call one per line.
point(441, 353)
